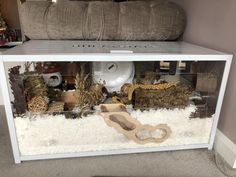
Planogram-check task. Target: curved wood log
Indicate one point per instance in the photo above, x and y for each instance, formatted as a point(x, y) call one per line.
point(117, 117)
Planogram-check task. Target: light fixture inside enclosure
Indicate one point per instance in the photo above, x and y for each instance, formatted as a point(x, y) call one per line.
point(55, 1)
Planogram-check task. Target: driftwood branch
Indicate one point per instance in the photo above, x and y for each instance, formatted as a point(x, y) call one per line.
point(17, 90)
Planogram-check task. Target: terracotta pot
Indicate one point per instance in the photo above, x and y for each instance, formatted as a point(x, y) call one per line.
point(68, 97)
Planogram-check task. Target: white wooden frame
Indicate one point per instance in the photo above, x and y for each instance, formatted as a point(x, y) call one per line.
point(186, 52)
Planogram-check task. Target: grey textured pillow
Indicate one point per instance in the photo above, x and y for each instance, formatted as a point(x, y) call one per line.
point(97, 20)
point(35, 0)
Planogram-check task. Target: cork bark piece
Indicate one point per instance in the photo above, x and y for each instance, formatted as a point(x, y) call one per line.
point(116, 116)
point(128, 89)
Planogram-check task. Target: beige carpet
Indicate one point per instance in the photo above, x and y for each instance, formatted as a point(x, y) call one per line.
point(192, 163)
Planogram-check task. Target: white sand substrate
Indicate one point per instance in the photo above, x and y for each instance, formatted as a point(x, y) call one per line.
point(48, 134)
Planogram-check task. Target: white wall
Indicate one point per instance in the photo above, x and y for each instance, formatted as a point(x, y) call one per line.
point(1, 101)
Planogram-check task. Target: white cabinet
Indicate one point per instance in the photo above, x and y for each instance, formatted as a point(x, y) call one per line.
point(175, 87)
point(1, 100)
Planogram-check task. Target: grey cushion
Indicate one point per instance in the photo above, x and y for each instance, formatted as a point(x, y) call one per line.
point(99, 20)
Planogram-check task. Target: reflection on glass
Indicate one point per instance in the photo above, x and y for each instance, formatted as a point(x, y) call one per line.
point(90, 106)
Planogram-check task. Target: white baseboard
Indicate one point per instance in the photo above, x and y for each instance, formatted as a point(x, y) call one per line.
point(1, 100)
point(226, 148)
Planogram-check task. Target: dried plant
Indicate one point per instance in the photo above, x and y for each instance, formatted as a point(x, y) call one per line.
point(35, 86)
point(27, 68)
point(87, 95)
point(82, 84)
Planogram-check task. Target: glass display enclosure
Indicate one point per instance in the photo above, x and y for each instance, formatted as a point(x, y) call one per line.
point(70, 99)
